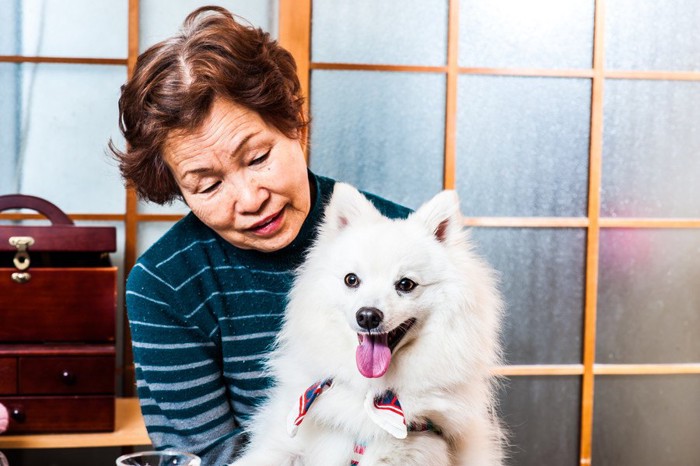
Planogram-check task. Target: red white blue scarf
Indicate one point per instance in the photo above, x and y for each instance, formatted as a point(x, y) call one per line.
point(384, 410)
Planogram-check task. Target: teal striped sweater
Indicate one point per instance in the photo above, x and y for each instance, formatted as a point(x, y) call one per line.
point(203, 314)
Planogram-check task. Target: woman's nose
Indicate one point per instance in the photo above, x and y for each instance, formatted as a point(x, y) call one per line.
point(250, 196)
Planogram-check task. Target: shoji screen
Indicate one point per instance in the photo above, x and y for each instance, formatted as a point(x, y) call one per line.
point(571, 132)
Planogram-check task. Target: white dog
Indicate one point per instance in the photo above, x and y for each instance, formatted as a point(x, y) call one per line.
point(387, 346)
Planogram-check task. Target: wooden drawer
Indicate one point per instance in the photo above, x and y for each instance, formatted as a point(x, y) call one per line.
point(59, 305)
point(66, 375)
point(8, 376)
point(60, 414)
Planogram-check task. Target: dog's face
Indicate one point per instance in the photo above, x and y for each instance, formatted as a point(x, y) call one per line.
point(385, 277)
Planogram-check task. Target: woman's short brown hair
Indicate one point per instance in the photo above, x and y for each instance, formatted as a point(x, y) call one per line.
point(176, 81)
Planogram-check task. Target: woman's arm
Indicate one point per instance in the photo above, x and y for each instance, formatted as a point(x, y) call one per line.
point(179, 376)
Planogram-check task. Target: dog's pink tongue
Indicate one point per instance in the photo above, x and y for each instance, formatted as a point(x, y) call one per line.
point(373, 355)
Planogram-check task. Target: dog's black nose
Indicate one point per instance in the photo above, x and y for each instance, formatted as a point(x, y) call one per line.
point(369, 317)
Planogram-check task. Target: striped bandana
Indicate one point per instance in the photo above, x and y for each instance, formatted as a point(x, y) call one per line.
point(297, 414)
point(384, 410)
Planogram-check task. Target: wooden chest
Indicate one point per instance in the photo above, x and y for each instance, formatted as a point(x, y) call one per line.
point(57, 323)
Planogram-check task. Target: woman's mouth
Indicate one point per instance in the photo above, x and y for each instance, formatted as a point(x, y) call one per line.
point(269, 225)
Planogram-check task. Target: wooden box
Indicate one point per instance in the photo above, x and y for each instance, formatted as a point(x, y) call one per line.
point(57, 323)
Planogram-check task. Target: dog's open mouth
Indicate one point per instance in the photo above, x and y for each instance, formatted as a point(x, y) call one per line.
point(373, 355)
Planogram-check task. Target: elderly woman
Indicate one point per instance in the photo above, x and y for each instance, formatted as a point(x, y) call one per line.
point(214, 116)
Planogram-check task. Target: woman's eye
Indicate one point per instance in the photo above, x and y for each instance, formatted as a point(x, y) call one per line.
point(261, 159)
point(352, 280)
point(210, 188)
point(405, 285)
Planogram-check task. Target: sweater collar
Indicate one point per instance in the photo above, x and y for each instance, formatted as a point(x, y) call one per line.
point(307, 233)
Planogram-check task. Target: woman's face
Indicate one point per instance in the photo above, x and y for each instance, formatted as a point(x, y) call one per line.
point(241, 177)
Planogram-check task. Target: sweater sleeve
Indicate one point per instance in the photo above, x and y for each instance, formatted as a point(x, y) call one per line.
point(179, 377)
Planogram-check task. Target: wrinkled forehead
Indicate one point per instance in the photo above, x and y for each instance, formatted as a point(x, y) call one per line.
point(226, 130)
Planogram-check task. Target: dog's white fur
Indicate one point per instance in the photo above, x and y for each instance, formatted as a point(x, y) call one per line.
point(439, 371)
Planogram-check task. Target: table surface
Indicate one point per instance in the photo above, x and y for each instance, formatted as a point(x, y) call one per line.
point(129, 431)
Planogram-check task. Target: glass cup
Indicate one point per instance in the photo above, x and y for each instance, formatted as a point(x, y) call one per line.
point(159, 458)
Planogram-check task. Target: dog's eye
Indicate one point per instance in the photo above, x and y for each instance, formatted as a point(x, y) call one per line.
point(405, 285)
point(352, 280)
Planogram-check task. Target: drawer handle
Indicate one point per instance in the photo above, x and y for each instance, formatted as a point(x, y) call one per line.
point(21, 277)
point(68, 378)
point(18, 415)
point(22, 244)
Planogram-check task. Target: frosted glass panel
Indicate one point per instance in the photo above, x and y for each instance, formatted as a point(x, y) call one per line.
point(648, 298)
point(160, 19)
point(63, 116)
point(542, 280)
point(390, 31)
point(646, 420)
point(526, 34)
point(176, 207)
point(10, 40)
point(541, 415)
point(10, 118)
point(149, 233)
point(60, 28)
point(652, 35)
point(383, 132)
point(651, 142)
point(522, 146)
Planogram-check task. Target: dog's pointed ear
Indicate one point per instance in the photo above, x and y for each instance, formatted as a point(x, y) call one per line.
point(441, 216)
point(347, 206)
